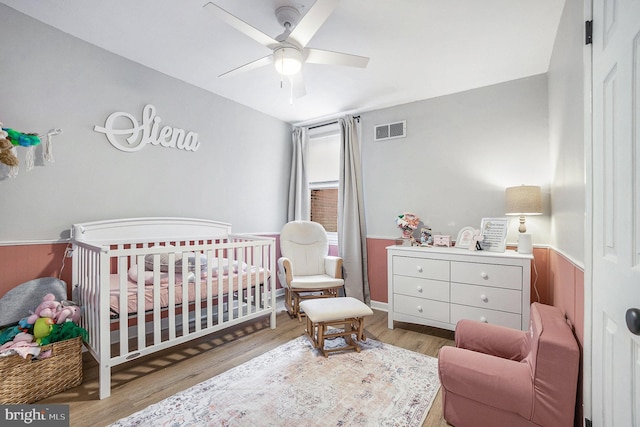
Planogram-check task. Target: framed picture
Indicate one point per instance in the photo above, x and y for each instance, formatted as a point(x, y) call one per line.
point(426, 237)
point(494, 234)
point(465, 237)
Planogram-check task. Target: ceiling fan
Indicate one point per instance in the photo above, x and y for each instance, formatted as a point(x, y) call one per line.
point(289, 49)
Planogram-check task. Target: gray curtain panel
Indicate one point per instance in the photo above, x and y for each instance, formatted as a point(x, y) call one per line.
point(352, 231)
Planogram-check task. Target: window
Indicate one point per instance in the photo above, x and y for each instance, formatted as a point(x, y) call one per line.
point(324, 208)
point(323, 173)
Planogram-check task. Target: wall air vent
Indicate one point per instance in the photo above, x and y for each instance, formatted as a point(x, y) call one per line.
point(390, 131)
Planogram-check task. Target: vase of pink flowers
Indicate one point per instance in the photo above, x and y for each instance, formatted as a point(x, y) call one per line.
point(407, 222)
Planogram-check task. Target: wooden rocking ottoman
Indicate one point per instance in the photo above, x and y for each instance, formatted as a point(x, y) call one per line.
point(347, 312)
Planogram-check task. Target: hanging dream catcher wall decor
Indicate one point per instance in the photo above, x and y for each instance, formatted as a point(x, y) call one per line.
point(10, 139)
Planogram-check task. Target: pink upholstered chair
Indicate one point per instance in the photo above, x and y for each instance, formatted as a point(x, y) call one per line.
point(497, 376)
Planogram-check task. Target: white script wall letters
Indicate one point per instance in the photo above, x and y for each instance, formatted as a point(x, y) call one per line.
point(151, 131)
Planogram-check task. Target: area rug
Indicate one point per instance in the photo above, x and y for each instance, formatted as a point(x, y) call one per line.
point(294, 384)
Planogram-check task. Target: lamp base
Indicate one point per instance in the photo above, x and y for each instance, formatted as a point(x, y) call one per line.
point(524, 244)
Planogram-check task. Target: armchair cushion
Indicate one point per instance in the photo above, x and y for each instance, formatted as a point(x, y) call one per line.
point(483, 378)
point(315, 281)
point(491, 339)
point(305, 243)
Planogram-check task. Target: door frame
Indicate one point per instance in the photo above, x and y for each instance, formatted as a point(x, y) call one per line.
point(588, 235)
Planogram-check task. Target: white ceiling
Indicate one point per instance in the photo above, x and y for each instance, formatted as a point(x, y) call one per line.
point(419, 49)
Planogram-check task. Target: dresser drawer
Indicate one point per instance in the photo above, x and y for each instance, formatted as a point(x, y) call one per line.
point(419, 267)
point(423, 308)
point(502, 276)
point(487, 297)
point(510, 320)
point(421, 288)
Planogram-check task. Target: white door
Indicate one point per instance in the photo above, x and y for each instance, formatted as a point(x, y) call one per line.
point(615, 214)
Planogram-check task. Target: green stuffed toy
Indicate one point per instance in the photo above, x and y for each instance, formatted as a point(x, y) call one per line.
point(65, 331)
point(42, 328)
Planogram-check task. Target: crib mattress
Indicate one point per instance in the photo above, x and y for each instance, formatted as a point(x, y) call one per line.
point(248, 279)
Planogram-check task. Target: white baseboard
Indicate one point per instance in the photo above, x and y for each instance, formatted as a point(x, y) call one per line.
point(382, 306)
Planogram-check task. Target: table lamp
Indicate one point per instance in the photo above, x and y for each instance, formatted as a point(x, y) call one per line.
point(524, 200)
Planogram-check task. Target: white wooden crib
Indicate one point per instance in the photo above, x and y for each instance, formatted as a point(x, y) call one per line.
point(143, 263)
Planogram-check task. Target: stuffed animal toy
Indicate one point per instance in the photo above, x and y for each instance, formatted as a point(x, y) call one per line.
point(52, 321)
point(42, 328)
point(68, 313)
point(24, 325)
point(65, 331)
point(49, 308)
point(7, 155)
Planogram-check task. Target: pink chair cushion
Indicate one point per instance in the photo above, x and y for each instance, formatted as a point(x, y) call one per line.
point(483, 378)
point(511, 344)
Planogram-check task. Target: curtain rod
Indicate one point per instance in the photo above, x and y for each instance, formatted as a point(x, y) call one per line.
point(329, 123)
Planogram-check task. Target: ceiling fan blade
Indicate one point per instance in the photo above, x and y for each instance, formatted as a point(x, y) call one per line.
point(250, 66)
point(312, 21)
point(319, 56)
point(242, 26)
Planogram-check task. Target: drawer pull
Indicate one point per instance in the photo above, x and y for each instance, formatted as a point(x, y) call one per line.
point(484, 275)
point(419, 289)
point(483, 319)
point(419, 309)
point(484, 298)
point(420, 269)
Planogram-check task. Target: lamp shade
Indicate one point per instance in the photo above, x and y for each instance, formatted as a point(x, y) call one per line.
point(287, 60)
point(523, 200)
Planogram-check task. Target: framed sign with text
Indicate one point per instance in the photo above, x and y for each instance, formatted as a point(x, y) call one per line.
point(494, 234)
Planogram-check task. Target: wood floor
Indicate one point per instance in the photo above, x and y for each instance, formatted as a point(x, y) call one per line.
point(139, 383)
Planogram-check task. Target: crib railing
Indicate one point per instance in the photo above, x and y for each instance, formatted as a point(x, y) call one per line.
point(182, 290)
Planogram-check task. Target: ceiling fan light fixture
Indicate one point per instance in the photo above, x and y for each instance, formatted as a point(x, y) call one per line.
point(287, 60)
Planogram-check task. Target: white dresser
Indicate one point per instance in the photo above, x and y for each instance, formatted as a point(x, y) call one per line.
point(439, 286)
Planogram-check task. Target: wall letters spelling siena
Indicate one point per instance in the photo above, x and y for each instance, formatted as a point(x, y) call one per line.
point(130, 139)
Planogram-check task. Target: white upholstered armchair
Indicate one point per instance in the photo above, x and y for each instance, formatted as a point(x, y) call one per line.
point(305, 268)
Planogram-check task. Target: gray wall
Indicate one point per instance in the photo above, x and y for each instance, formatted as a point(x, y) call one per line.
point(51, 80)
point(460, 153)
point(566, 129)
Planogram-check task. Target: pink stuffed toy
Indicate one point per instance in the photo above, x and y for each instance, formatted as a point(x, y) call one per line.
point(69, 313)
point(49, 307)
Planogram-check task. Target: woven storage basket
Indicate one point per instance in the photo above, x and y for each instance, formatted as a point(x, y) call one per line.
point(27, 381)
